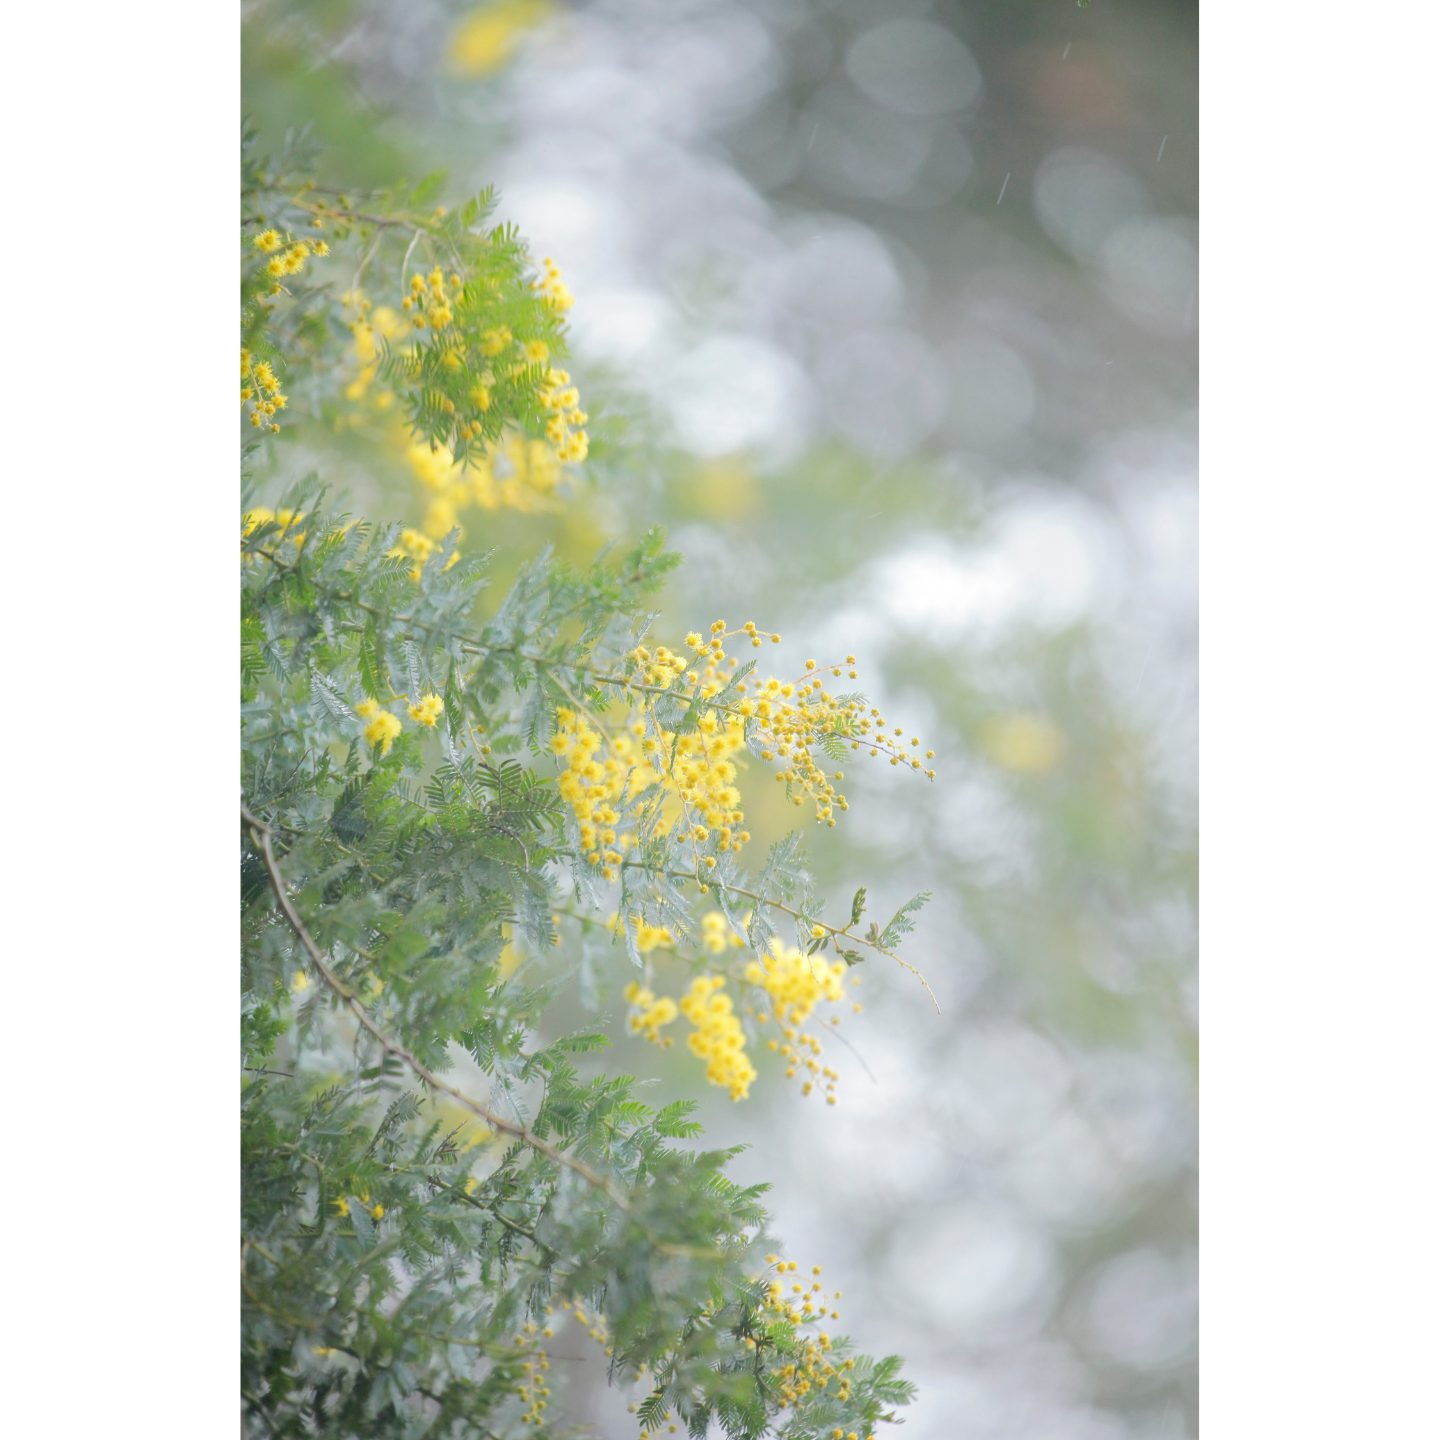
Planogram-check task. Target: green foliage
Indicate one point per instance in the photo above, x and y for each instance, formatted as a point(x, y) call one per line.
point(432, 1164)
point(901, 922)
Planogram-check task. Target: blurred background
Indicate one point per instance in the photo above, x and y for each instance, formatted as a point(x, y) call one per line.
point(886, 310)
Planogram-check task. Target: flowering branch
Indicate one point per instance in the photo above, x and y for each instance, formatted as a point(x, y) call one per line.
point(833, 931)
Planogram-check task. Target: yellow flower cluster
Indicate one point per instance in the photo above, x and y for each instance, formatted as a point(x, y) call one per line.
point(694, 773)
point(717, 936)
point(533, 1390)
point(381, 726)
point(514, 474)
point(430, 301)
point(486, 38)
point(495, 341)
point(377, 1212)
point(702, 773)
point(647, 937)
point(369, 322)
point(552, 288)
point(466, 373)
point(717, 1037)
point(791, 720)
point(595, 785)
point(435, 303)
point(702, 776)
point(565, 429)
point(795, 983)
point(596, 1326)
point(792, 1302)
point(260, 392)
point(287, 520)
point(418, 548)
point(792, 984)
point(651, 1013)
point(514, 361)
point(287, 255)
point(428, 709)
point(660, 667)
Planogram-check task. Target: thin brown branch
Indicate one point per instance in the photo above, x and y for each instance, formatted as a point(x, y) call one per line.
point(260, 834)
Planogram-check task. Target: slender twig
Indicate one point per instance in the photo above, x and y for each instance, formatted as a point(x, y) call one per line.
point(581, 918)
point(835, 1034)
point(358, 216)
point(409, 250)
point(260, 836)
point(456, 1193)
point(364, 261)
point(292, 1320)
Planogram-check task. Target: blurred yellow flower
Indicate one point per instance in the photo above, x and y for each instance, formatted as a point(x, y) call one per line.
point(486, 39)
point(428, 709)
point(723, 489)
point(1027, 744)
point(509, 961)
